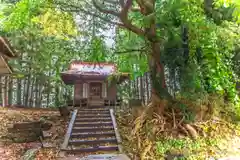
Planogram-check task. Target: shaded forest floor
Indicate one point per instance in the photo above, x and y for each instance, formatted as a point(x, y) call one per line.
point(14, 151)
point(154, 141)
point(220, 139)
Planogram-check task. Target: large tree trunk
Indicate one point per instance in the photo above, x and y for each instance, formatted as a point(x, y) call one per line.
point(31, 91)
point(19, 91)
point(142, 89)
point(36, 91)
point(4, 91)
point(39, 99)
point(157, 70)
point(159, 89)
point(10, 90)
point(28, 81)
point(57, 102)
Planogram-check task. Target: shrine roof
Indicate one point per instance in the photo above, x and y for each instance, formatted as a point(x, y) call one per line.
point(83, 71)
point(91, 68)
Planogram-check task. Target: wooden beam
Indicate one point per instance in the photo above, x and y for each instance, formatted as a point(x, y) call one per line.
point(69, 131)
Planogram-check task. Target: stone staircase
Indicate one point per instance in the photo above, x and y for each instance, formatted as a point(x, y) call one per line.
point(92, 130)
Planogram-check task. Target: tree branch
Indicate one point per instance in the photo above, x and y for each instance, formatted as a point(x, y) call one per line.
point(122, 3)
point(80, 9)
point(127, 23)
point(112, 2)
point(130, 50)
point(107, 11)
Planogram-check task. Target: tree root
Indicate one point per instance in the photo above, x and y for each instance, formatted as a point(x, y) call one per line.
point(148, 122)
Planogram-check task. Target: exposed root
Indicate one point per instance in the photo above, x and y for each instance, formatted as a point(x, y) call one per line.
point(191, 130)
point(149, 122)
point(146, 125)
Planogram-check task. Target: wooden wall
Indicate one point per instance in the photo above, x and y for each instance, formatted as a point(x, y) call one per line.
point(79, 87)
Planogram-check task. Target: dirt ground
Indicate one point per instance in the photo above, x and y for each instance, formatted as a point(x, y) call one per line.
point(14, 151)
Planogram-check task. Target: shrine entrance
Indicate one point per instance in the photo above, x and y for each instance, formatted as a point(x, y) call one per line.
point(95, 90)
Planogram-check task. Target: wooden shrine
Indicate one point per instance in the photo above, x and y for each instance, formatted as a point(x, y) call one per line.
point(92, 85)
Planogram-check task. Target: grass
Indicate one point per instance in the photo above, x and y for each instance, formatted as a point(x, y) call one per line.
point(222, 140)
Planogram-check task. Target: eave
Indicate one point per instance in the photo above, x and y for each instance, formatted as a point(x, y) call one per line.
point(5, 48)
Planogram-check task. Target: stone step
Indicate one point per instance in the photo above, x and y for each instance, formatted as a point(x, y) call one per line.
point(90, 142)
point(104, 119)
point(94, 116)
point(94, 112)
point(105, 157)
point(93, 124)
point(96, 107)
point(83, 130)
point(92, 149)
point(93, 135)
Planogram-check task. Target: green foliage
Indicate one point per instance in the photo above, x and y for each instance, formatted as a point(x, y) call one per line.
point(214, 73)
point(27, 13)
point(44, 33)
point(22, 13)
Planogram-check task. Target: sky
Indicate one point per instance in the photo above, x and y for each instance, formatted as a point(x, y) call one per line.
point(108, 34)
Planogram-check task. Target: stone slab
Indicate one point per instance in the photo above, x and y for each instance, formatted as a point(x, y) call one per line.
point(106, 157)
point(99, 157)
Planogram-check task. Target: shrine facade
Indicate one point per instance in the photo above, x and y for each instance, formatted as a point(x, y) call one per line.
point(93, 83)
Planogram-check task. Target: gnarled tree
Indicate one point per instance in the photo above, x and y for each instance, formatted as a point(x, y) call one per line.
point(123, 14)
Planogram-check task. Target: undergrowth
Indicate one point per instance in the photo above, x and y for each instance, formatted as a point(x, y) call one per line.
point(149, 135)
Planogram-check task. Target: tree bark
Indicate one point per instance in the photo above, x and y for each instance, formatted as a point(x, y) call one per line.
point(39, 95)
point(142, 89)
point(10, 91)
point(27, 86)
point(19, 92)
point(48, 96)
point(5, 88)
point(57, 102)
point(1, 90)
point(31, 92)
point(3, 82)
point(36, 91)
point(159, 87)
point(147, 87)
